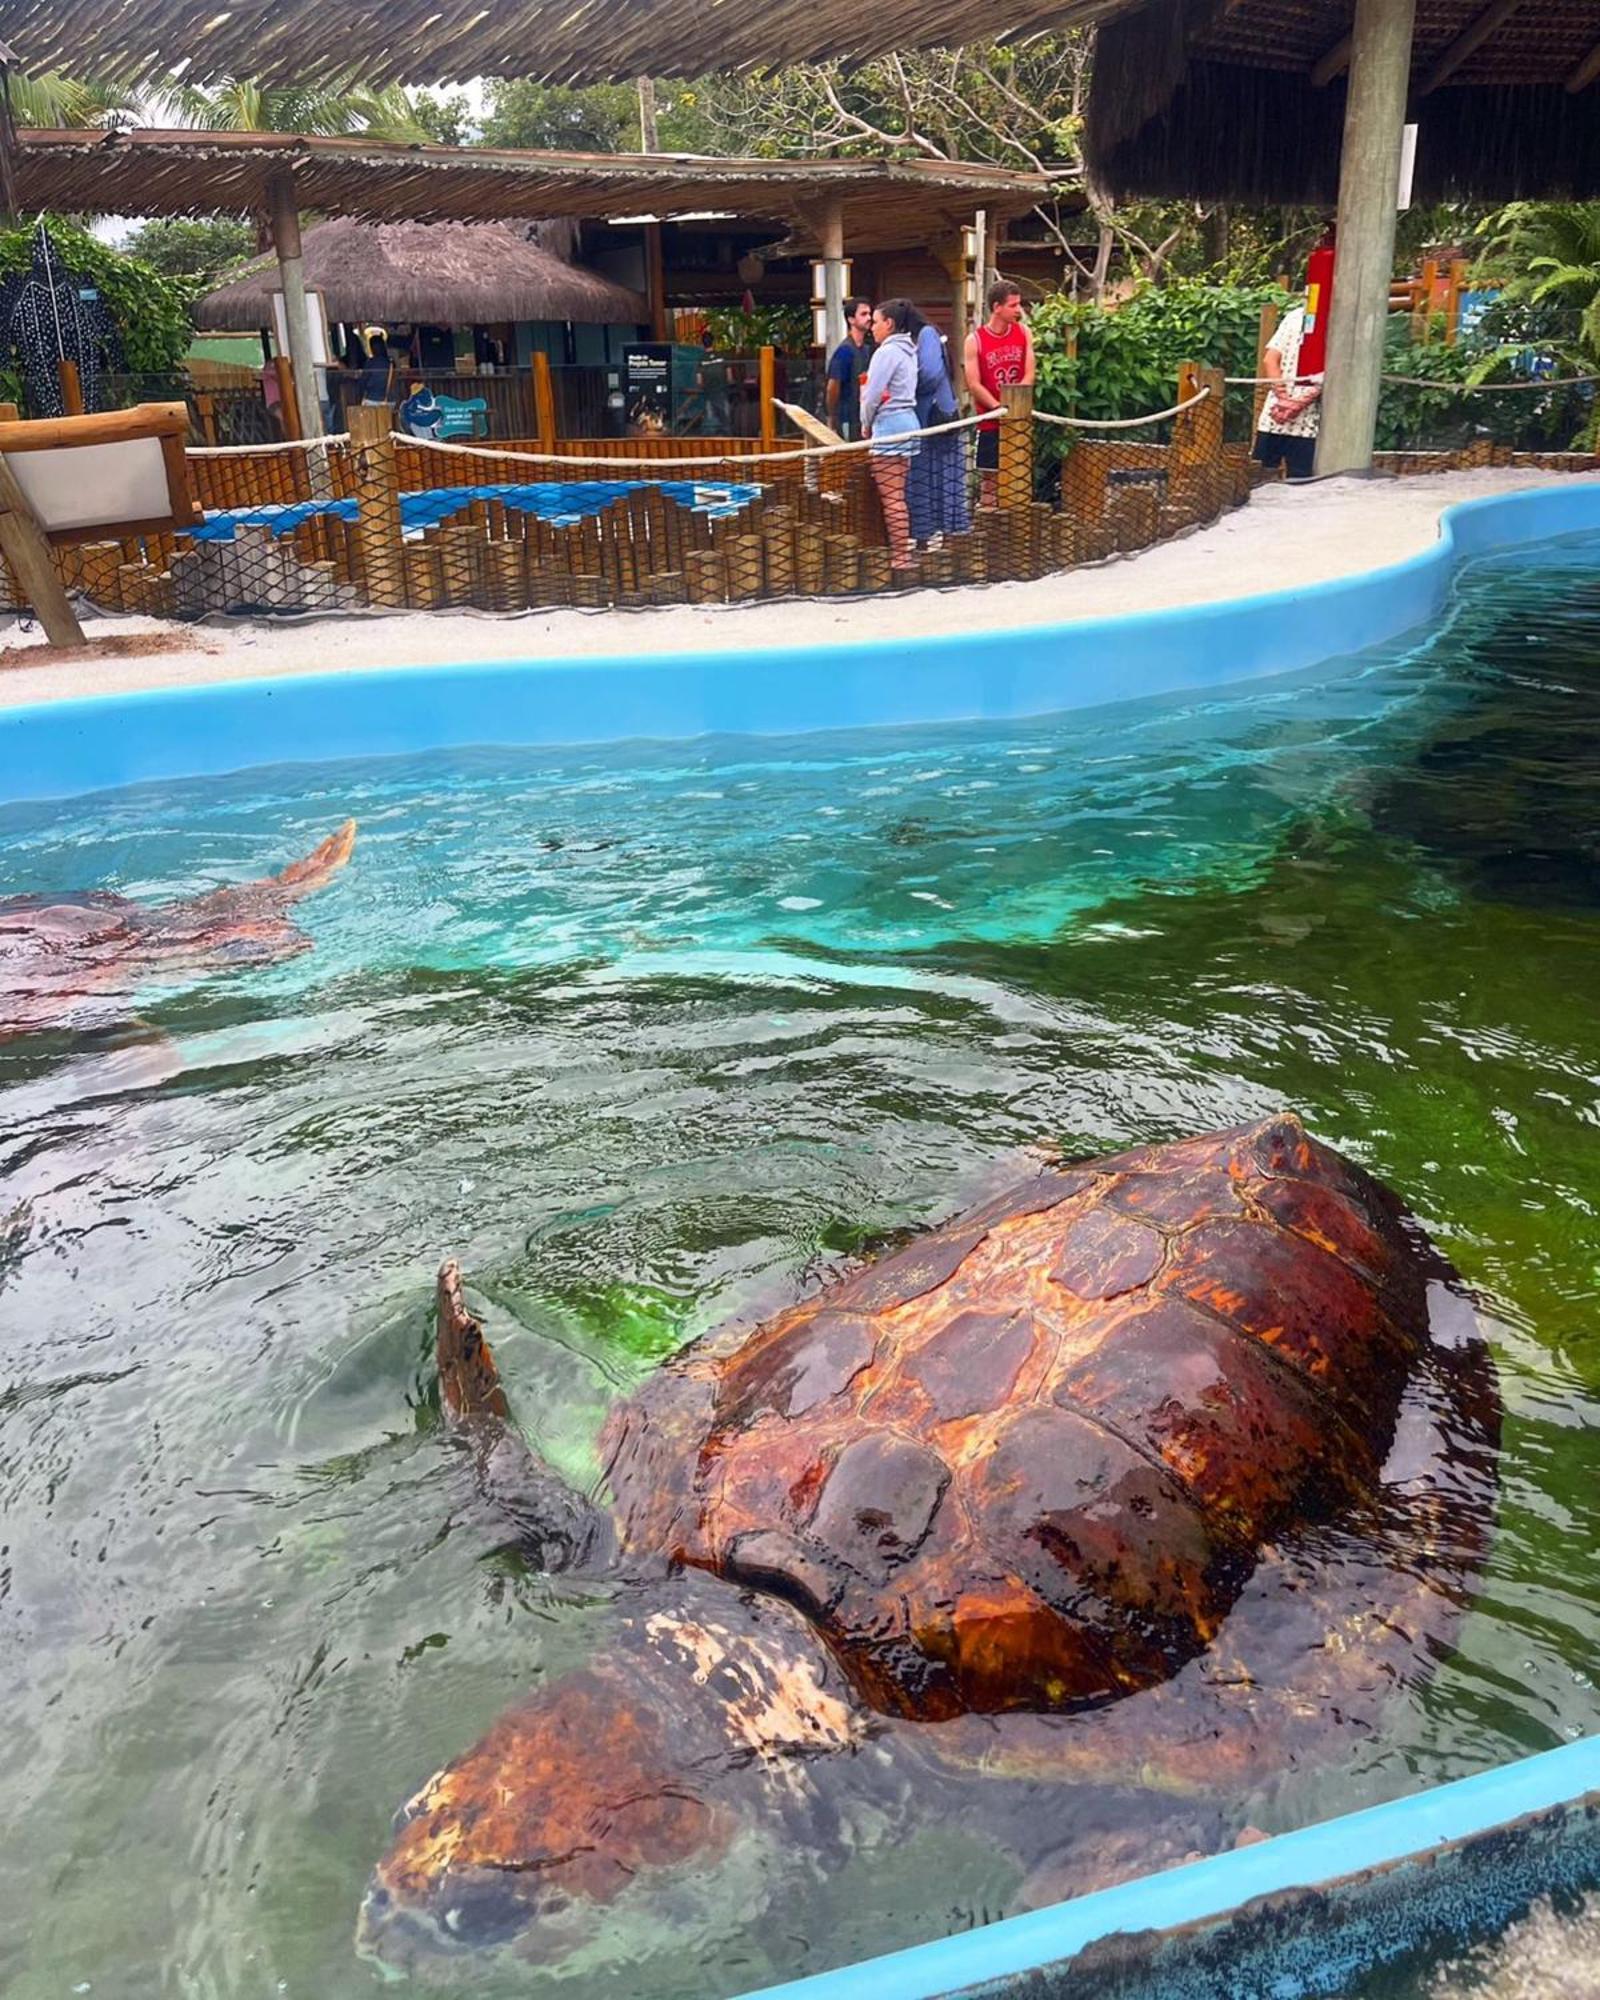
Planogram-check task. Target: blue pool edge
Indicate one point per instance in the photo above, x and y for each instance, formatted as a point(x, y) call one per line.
point(64, 748)
point(1168, 1919)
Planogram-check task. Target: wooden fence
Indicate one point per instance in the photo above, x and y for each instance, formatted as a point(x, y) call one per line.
point(372, 523)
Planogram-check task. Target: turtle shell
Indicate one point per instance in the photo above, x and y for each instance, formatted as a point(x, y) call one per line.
point(1029, 1461)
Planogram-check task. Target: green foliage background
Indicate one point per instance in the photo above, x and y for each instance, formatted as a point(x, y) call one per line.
point(150, 309)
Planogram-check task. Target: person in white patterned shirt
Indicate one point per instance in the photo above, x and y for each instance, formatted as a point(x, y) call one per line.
point(1286, 432)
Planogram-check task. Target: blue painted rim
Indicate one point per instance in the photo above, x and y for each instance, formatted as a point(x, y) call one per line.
point(1313, 1857)
point(64, 748)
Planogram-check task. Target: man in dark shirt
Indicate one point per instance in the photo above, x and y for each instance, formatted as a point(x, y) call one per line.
point(847, 369)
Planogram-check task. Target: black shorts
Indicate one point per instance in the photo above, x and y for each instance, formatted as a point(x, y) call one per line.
point(989, 449)
point(1297, 455)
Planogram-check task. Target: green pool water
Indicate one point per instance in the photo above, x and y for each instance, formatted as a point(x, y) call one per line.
point(650, 1036)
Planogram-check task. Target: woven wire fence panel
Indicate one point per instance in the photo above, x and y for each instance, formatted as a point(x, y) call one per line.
point(395, 524)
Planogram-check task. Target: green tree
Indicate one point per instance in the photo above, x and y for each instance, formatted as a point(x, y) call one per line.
point(197, 250)
point(599, 118)
point(446, 120)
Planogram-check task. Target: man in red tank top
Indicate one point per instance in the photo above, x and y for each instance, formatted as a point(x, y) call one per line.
point(997, 353)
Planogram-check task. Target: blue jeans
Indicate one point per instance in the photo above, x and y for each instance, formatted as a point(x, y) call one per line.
point(936, 492)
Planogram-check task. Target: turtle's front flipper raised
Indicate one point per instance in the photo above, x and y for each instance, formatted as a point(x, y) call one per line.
point(557, 1528)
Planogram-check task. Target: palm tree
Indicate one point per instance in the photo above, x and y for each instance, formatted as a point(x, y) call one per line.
point(57, 101)
point(243, 105)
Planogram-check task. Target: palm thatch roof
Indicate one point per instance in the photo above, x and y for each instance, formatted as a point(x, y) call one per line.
point(449, 41)
point(438, 274)
point(885, 203)
point(1244, 99)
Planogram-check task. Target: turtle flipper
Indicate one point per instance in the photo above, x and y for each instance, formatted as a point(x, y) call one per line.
point(556, 1527)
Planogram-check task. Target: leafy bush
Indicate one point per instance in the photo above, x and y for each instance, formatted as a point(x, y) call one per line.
point(1429, 409)
point(1127, 356)
point(151, 311)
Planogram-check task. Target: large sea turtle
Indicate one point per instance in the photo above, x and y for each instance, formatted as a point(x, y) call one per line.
point(57, 952)
point(1152, 1477)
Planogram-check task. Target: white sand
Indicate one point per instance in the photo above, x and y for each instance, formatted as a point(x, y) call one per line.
point(1284, 537)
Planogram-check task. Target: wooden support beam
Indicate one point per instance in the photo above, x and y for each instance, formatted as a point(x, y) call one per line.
point(1585, 73)
point(72, 404)
point(1334, 63)
point(1472, 37)
point(22, 541)
point(1369, 184)
point(296, 314)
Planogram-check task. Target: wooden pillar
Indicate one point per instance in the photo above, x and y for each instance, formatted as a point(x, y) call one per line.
point(1369, 186)
point(655, 283)
point(544, 401)
point(297, 317)
point(956, 265)
point(23, 543)
point(832, 235)
point(768, 389)
point(378, 534)
point(71, 388)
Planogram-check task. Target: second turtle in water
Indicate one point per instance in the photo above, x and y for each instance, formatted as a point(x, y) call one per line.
point(1155, 1473)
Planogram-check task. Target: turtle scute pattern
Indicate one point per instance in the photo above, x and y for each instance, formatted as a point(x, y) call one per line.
point(1029, 1461)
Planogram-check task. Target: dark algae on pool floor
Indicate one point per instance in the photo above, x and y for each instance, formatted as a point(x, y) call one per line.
point(651, 1038)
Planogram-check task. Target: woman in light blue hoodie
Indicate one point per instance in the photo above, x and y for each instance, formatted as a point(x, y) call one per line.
point(888, 412)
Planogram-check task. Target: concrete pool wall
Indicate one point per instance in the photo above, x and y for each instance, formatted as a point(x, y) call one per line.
point(66, 747)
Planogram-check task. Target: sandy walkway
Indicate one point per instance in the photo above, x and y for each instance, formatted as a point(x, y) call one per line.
point(1282, 537)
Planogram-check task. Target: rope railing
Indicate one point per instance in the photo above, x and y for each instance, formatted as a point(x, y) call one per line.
point(1430, 382)
point(1120, 423)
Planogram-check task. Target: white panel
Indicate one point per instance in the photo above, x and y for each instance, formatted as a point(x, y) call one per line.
point(319, 326)
point(93, 485)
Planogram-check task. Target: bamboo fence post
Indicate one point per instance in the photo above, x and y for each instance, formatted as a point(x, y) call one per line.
point(1016, 446)
point(768, 390)
point(378, 530)
point(544, 401)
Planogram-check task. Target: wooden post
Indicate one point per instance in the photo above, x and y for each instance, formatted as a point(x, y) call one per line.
point(768, 390)
point(378, 506)
point(1016, 446)
point(544, 401)
point(297, 317)
point(288, 407)
point(22, 542)
point(1369, 186)
point(831, 232)
point(1194, 483)
point(1264, 333)
point(71, 388)
point(655, 282)
point(1452, 300)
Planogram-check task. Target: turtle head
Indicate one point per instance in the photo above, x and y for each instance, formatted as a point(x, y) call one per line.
point(630, 1809)
point(575, 1819)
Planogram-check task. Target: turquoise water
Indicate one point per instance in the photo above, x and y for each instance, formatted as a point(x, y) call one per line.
point(651, 1036)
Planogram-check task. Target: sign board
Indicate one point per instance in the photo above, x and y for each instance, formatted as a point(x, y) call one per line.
point(96, 478)
point(647, 388)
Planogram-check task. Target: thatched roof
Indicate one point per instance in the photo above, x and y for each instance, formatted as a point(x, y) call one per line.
point(1244, 99)
point(440, 41)
point(885, 202)
point(439, 274)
